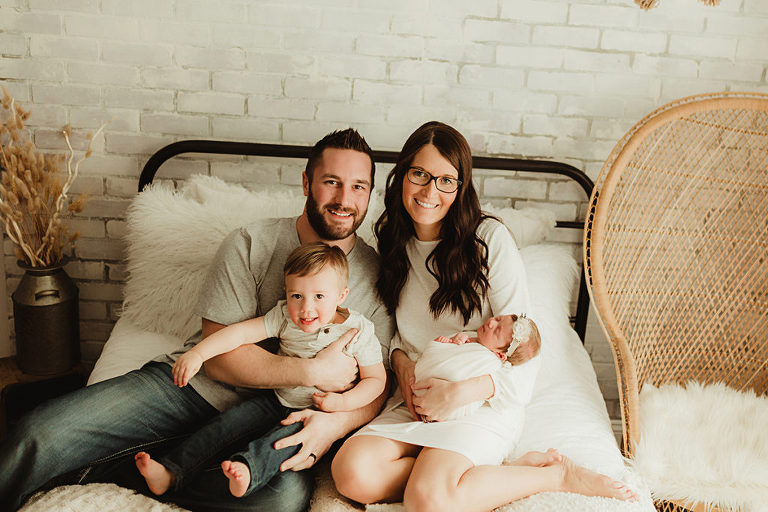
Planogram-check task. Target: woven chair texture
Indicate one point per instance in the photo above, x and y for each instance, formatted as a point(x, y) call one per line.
point(676, 249)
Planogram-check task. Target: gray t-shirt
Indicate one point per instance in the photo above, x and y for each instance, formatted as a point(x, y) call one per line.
point(294, 342)
point(245, 280)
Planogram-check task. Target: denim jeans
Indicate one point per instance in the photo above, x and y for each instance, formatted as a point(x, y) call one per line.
point(97, 429)
point(243, 423)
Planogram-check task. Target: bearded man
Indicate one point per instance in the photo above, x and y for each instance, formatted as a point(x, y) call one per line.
point(92, 434)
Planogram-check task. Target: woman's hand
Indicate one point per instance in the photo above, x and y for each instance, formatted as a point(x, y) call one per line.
point(404, 371)
point(434, 399)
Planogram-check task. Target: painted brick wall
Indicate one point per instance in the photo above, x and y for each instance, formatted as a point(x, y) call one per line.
point(560, 79)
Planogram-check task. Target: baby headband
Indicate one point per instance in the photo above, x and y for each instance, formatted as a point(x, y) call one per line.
point(521, 332)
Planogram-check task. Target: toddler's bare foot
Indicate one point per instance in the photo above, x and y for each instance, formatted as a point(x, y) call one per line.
point(539, 459)
point(239, 477)
point(581, 480)
point(158, 478)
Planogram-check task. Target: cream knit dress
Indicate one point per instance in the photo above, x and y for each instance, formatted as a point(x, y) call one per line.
point(490, 433)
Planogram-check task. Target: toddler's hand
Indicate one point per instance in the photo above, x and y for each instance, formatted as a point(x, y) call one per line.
point(328, 402)
point(443, 339)
point(186, 367)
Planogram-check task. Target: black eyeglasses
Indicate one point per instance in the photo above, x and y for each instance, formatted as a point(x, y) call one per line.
point(419, 176)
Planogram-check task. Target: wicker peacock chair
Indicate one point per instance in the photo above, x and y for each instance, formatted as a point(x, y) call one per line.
point(676, 250)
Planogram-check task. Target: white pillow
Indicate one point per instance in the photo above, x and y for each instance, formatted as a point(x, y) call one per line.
point(530, 226)
point(551, 270)
point(172, 236)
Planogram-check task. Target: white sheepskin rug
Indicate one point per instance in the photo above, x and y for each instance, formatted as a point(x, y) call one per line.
point(111, 498)
point(95, 498)
point(706, 444)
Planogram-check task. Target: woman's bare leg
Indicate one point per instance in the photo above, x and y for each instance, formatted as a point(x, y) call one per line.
point(372, 469)
point(445, 480)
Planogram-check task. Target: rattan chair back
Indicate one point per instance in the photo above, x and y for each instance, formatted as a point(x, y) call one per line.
point(676, 248)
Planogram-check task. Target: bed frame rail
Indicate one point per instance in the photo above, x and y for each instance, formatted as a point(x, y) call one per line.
point(301, 152)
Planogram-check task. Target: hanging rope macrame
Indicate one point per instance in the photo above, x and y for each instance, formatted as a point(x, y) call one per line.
point(649, 4)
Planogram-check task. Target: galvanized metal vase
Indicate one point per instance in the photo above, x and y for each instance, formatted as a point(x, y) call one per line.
point(45, 310)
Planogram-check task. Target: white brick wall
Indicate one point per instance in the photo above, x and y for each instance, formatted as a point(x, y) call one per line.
point(559, 79)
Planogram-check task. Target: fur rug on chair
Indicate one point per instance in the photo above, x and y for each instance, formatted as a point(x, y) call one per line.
point(704, 444)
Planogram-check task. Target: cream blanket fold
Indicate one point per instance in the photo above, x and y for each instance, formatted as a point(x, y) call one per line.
point(453, 362)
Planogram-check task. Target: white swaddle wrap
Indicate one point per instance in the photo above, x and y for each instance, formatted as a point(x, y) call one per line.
point(453, 362)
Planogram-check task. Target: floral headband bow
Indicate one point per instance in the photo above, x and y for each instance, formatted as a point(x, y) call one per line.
point(521, 332)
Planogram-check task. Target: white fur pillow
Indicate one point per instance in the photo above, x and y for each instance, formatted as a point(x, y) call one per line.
point(706, 444)
point(172, 237)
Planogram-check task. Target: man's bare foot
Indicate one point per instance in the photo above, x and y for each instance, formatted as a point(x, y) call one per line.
point(581, 480)
point(239, 477)
point(158, 478)
point(539, 459)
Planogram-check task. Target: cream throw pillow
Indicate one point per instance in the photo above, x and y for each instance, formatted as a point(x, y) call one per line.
point(172, 236)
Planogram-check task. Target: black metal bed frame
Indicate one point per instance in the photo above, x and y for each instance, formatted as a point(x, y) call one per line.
point(478, 162)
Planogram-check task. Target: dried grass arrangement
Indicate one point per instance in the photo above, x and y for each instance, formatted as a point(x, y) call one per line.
point(34, 203)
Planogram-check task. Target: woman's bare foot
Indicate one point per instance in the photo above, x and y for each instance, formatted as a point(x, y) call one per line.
point(539, 459)
point(239, 477)
point(581, 480)
point(158, 478)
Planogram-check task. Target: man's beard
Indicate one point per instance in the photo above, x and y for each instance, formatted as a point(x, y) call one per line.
point(326, 230)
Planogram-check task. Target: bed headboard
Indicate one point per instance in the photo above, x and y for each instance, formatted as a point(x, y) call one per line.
point(301, 152)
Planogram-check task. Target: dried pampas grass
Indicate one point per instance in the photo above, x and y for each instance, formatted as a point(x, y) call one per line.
point(33, 201)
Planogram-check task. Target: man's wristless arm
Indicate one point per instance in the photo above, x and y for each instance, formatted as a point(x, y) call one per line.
point(254, 367)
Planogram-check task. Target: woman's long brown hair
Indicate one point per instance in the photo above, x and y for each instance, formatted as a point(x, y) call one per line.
point(459, 262)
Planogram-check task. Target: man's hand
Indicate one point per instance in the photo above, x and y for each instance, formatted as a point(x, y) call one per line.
point(404, 368)
point(332, 369)
point(434, 399)
point(329, 402)
point(320, 431)
point(186, 367)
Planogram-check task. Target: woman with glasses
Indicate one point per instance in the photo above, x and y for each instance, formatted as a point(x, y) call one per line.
point(448, 267)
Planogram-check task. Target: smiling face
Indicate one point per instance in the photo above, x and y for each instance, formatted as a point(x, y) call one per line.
point(496, 334)
point(426, 205)
point(312, 299)
point(337, 197)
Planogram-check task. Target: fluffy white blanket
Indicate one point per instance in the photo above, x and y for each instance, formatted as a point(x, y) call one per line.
point(111, 498)
point(95, 498)
point(704, 444)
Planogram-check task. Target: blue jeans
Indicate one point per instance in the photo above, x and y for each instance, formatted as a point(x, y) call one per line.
point(255, 421)
point(97, 429)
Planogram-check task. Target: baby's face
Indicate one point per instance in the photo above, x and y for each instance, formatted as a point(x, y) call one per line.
point(496, 334)
point(312, 299)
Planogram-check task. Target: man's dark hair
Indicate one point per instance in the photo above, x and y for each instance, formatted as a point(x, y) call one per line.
point(340, 139)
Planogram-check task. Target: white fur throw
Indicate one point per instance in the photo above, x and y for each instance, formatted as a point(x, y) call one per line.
point(95, 498)
point(172, 236)
point(705, 444)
